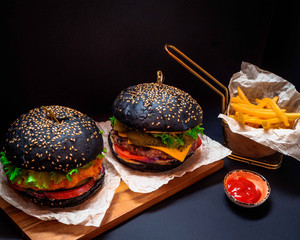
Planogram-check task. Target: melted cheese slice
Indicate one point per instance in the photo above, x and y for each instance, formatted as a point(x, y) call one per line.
point(173, 152)
point(122, 134)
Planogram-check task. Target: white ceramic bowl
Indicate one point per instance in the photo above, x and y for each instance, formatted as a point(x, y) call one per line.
point(259, 181)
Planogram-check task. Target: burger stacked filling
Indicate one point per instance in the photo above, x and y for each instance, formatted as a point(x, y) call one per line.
point(54, 185)
point(160, 148)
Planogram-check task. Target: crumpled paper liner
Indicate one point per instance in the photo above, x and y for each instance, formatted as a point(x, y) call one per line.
point(144, 182)
point(89, 213)
point(258, 83)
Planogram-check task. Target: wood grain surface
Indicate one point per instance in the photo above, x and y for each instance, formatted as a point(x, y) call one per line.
point(124, 205)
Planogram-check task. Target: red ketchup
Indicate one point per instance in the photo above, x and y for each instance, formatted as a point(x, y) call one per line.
point(243, 190)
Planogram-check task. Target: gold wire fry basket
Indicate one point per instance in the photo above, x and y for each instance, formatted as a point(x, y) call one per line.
point(243, 149)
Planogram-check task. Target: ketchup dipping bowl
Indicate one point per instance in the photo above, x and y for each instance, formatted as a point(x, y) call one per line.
point(246, 188)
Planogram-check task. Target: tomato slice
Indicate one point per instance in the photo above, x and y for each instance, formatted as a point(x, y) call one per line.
point(126, 154)
point(199, 142)
point(64, 194)
point(71, 193)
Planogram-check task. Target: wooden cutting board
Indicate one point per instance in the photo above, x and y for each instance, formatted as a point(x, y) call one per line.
point(124, 205)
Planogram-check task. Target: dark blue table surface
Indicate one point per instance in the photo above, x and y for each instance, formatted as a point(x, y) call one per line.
point(202, 211)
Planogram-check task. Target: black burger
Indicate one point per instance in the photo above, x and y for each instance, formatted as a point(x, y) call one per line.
point(155, 127)
point(53, 156)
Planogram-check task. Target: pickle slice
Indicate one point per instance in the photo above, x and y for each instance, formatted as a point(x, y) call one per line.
point(120, 127)
point(144, 139)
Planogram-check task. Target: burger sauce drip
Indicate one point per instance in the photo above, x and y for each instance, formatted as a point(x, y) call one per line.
point(243, 190)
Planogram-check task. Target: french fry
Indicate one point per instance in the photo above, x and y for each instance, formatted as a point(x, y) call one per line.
point(275, 99)
point(254, 107)
point(265, 124)
point(240, 117)
point(253, 120)
point(257, 120)
point(236, 99)
point(278, 125)
point(292, 116)
point(266, 113)
point(263, 113)
point(278, 111)
point(261, 103)
point(242, 95)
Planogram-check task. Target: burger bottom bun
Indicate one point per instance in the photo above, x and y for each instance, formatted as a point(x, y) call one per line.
point(62, 203)
point(146, 167)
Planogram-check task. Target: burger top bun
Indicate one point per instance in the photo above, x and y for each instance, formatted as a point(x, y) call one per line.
point(52, 138)
point(157, 107)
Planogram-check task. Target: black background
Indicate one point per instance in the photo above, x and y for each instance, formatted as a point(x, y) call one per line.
point(81, 54)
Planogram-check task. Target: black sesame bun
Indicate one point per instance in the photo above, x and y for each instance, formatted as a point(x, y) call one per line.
point(38, 142)
point(157, 107)
point(155, 127)
point(47, 147)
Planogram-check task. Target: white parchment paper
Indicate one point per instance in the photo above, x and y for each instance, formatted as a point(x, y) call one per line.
point(258, 83)
point(209, 152)
point(89, 213)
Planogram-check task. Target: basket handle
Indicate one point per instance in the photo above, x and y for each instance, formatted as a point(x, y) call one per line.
point(224, 97)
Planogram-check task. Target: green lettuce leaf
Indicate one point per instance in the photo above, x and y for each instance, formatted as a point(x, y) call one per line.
point(37, 179)
point(178, 140)
point(68, 175)
point(57, 177)
point(4, 159)
point(112, 120)
point(11, 171)
point(170, 140)
point(195, 131)
point(100, 155)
